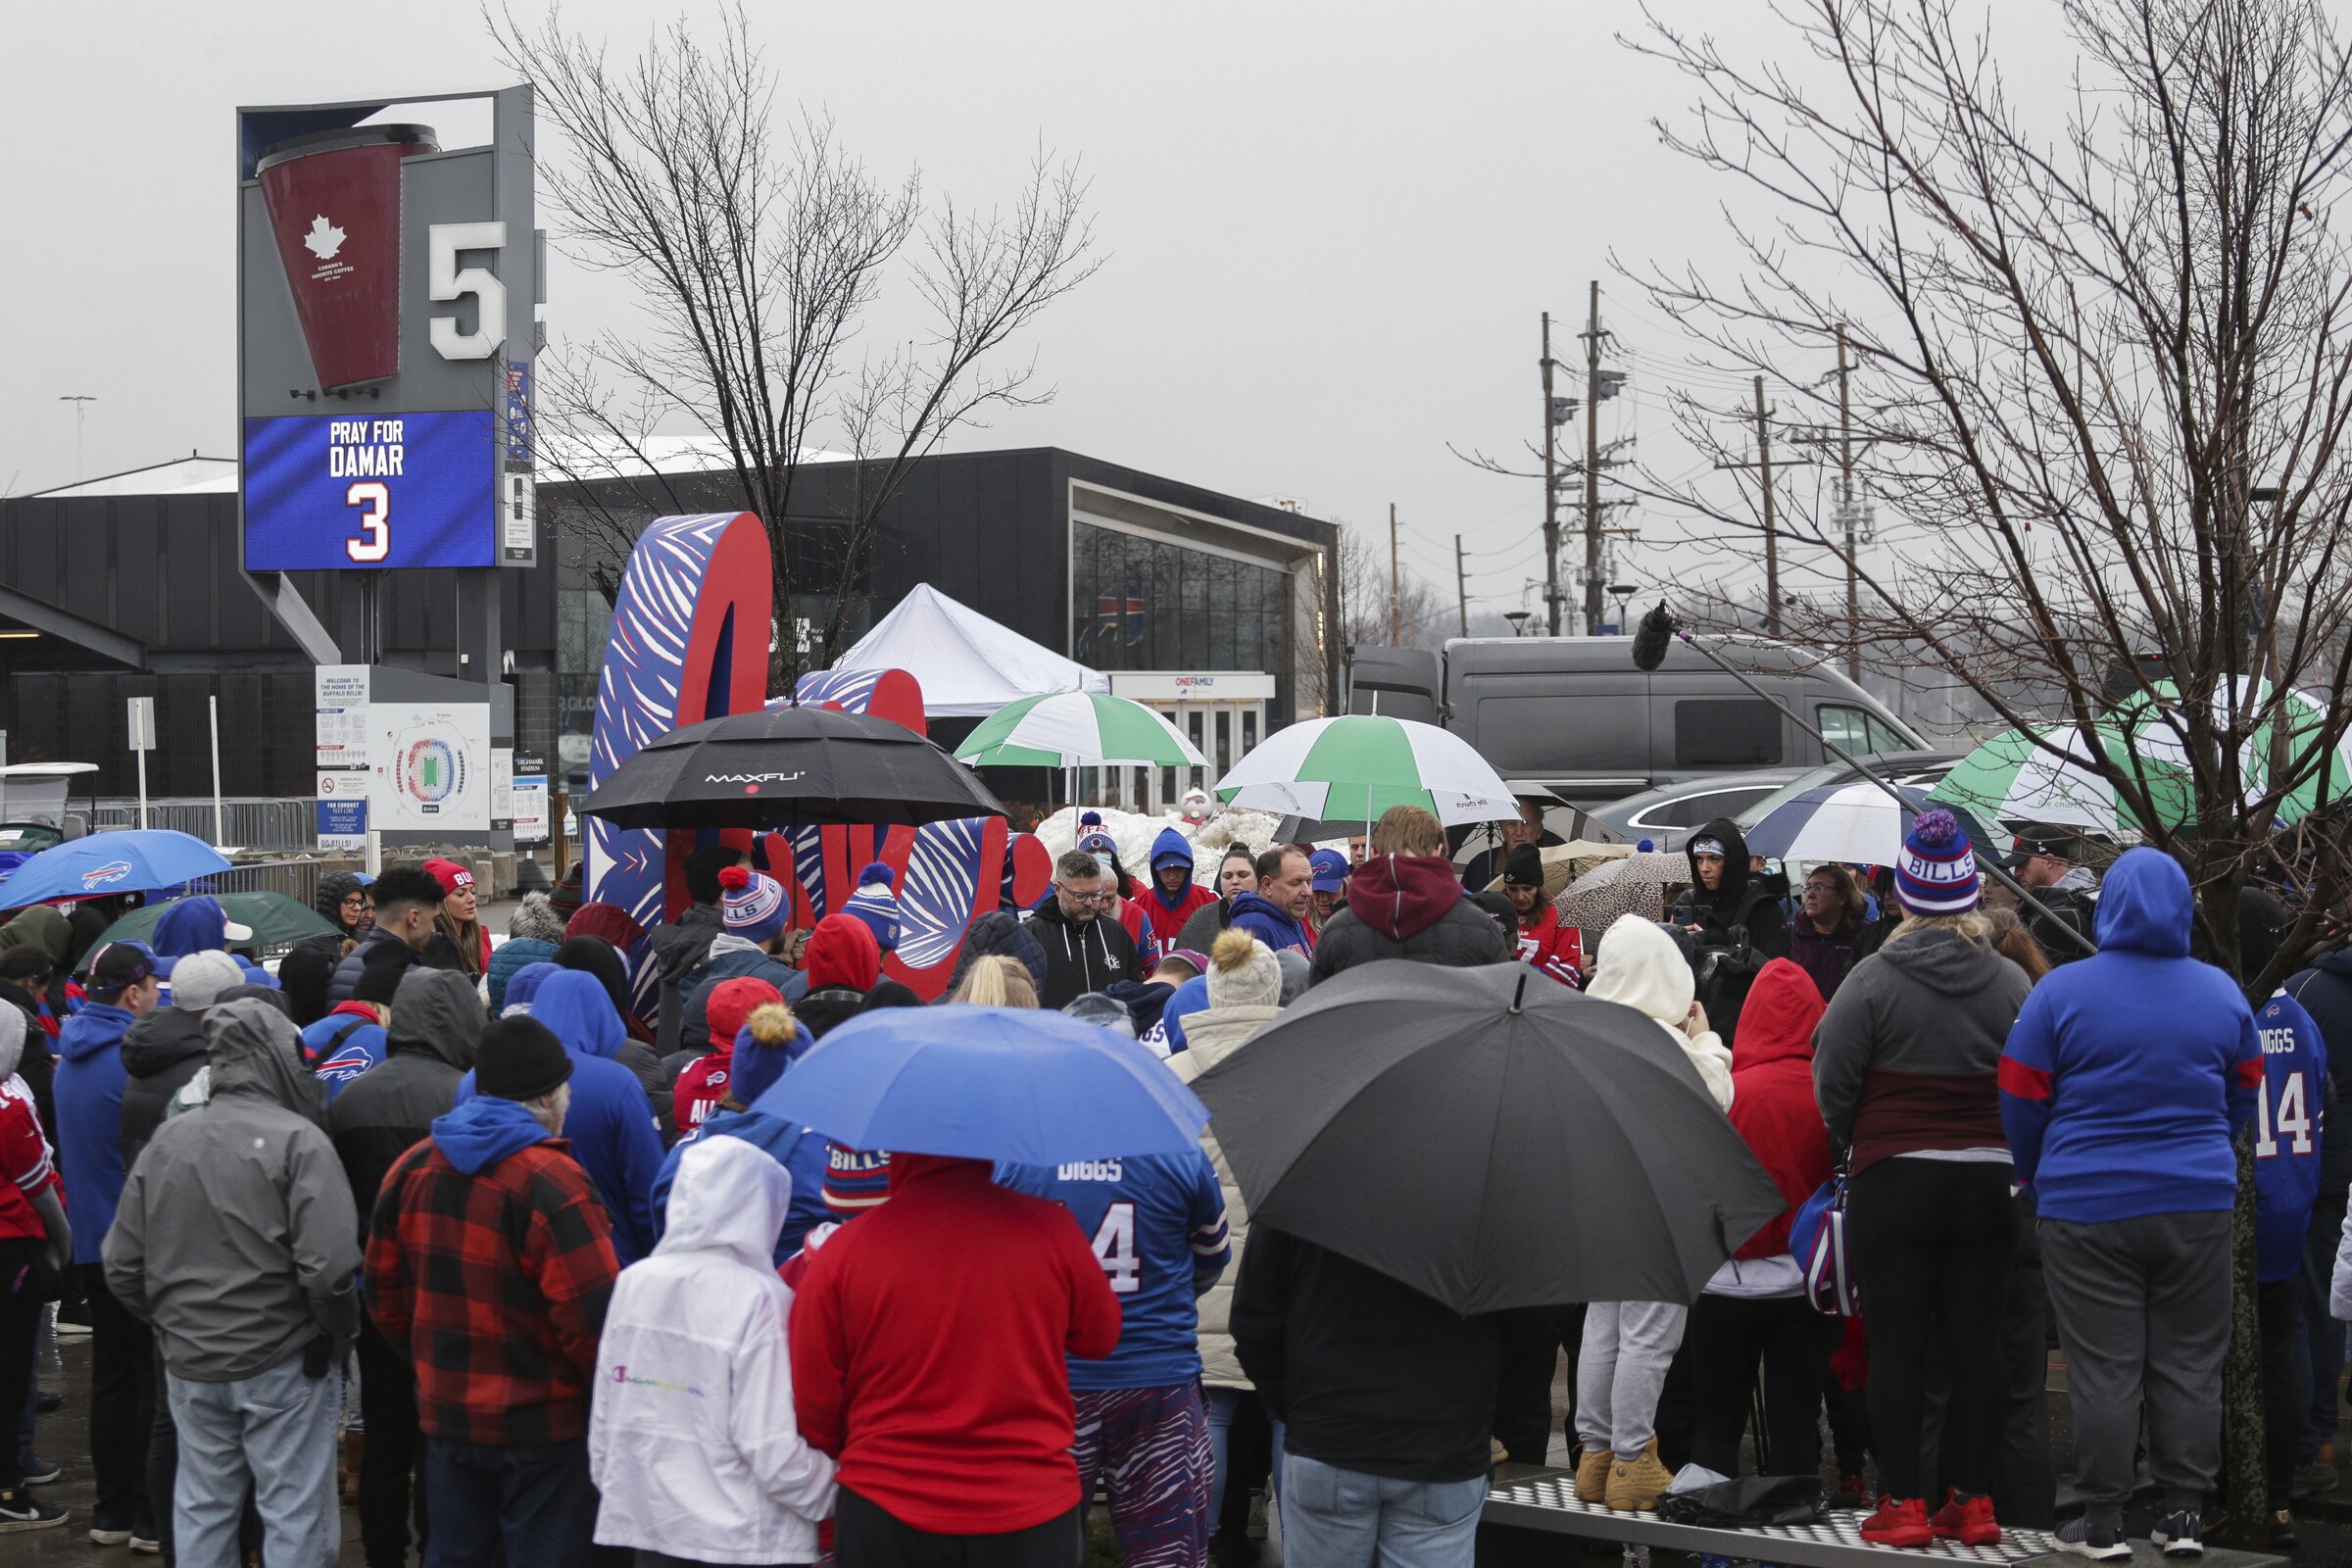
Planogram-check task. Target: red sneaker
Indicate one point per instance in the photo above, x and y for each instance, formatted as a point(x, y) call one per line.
point(1970, 1523)
point(1853, 1486)
point(1900, 1522)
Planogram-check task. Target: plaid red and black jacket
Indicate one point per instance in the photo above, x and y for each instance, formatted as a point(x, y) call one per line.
point(495, 1287)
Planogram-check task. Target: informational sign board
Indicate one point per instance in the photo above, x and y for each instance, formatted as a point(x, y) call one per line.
point(343, 823)
point(142, 723)
point(342, 702)
point(430, 766)
point(387, 314)
point(502, 788)
point(530, 797)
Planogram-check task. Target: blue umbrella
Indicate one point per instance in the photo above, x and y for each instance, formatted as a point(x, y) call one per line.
point(136, 860)
point(988, 1083)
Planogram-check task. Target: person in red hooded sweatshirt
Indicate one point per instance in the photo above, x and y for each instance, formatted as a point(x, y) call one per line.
point(927, 1346)
point(1405, 902)
point(702, 1082)
point(1754, 1308)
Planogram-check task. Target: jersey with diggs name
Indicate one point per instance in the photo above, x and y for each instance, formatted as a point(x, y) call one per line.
point(2288, 1126)
point(1158, 1225)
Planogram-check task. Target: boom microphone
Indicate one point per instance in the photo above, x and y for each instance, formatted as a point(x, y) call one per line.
point(1651, 637)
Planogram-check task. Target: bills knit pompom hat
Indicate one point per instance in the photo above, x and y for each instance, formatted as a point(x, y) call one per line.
point(1936, 872)
point(877, 905)
point(754, 906)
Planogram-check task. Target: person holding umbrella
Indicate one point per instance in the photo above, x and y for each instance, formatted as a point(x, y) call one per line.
point(1405, 903)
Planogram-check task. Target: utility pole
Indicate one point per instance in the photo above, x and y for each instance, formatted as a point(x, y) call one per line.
point(1845, 514)
point(1772, 542)
point(1396, 586)
point(1461, 587)
point(1551, 496)
point(1591, 467)
point(81, 403)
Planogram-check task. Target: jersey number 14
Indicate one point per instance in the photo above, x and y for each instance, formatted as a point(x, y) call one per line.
point(1114, 1250)
point(2291, 1122)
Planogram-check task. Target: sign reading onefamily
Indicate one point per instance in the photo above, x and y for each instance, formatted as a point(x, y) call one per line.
point(387, 293)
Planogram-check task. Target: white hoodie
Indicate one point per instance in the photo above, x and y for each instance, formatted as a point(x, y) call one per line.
point(1639, 966)
point(692, 1441)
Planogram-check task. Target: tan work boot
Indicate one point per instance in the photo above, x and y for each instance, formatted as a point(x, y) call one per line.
point(1593, 1473)
point(1636, 1485)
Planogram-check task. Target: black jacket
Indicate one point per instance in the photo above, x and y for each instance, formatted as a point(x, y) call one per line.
point(38, 1068)
point(435, 1022)
point(1366, 1373)
point(680, 948)
point(1743, 915)
point(305, 973)
point(2325, 992)
point(160, 1053)
point(1083, 956)
point(1407, 906)
point(347, 973)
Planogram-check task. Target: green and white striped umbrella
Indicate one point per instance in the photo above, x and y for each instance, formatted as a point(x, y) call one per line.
point(1077, 729)
point(1352, 768)
point(2012, 777)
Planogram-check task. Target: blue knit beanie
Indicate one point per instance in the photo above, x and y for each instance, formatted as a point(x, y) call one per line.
point(1936, 872)
point(877, 905)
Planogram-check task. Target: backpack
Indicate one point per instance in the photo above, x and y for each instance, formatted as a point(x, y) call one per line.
point(1817, 1240)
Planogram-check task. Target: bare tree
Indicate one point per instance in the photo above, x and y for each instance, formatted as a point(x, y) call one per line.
point(759, 244)
point(2100, 387)
point(1360, 570)
point(2101, 391)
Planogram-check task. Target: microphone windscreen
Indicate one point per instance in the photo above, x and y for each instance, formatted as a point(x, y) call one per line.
point(1651, 637)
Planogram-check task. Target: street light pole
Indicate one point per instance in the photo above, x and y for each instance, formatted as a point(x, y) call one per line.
point(82, 401)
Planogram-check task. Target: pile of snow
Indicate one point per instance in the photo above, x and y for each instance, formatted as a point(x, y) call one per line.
point(1133, 831)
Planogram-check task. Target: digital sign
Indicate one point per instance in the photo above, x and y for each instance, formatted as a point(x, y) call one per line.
point(333, 491)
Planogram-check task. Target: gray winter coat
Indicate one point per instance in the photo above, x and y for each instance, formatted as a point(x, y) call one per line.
point(437, 1022)
point(235, 1237)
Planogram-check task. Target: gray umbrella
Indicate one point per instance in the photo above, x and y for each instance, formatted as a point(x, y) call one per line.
point(1489, 1137)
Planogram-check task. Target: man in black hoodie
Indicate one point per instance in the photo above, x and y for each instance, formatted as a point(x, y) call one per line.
point(2325, 992)
point(1404, 902)
point(1085, 949)
point(1733, 918)
point(681, 945)
point(428, 1047)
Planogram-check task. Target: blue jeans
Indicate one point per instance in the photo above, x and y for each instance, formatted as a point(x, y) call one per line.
point(1222, 1403)
point(534, 1501)
point(274, 1432)
point(1335, 1518)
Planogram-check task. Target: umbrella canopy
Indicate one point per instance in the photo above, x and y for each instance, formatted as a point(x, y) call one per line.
point(1488, 1139)
point(1078, 729)
point(1563, 863)
point(2011, 777)
point(988, 1083)
point(1636, 883)
point(275, 920)
point(134, 860)
point(789, 768)
point(1856, 823)
point(1355, 767)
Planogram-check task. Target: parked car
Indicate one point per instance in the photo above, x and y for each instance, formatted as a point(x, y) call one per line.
point(1664, 815)
point(1574, 715)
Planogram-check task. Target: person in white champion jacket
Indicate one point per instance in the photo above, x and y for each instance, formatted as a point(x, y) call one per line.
point(692, 1442)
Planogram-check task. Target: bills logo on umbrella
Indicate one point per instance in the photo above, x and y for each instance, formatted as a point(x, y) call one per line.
point(98, 876)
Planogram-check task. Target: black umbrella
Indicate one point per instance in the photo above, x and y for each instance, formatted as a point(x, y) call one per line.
point(789, 768)
point(1490, 1138)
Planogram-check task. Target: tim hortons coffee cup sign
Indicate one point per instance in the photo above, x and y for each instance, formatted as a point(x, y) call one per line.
point(335, 208)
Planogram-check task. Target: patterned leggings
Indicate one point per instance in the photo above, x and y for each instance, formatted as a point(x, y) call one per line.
point(1151, 1446)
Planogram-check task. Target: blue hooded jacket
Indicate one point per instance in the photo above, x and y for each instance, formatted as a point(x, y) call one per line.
point(480, 1133)
point(2288, 1124)
point(609, 1128)
point(1264, 920)
point(198, 924)
point(1171, 848)
point(2129, 1073)
point(524, 983)
point(88, 1087)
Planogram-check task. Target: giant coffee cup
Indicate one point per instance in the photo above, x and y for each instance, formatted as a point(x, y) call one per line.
point(334, 208)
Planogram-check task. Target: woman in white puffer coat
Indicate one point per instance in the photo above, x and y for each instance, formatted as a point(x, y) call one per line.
point(1244, 996)
point(692, 1442)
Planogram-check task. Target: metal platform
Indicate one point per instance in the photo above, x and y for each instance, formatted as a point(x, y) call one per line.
point(1546, 1500)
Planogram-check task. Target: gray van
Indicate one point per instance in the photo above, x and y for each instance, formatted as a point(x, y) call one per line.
point(1573, 713)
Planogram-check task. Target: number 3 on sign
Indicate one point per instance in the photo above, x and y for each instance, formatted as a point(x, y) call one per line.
point(373, 542)
point(1114, 1250)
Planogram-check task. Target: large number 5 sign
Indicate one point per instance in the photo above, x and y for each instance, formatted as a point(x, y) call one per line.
point(451, 282)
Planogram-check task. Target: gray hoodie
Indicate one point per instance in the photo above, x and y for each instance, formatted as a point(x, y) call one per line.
point(235, 1237)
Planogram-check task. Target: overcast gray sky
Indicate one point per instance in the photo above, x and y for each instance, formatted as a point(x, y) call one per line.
point(1329, 230)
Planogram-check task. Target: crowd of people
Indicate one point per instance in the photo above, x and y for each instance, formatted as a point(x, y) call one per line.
point(498, 1233)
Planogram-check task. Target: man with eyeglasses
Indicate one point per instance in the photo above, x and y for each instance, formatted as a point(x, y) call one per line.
point(1084, 952)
